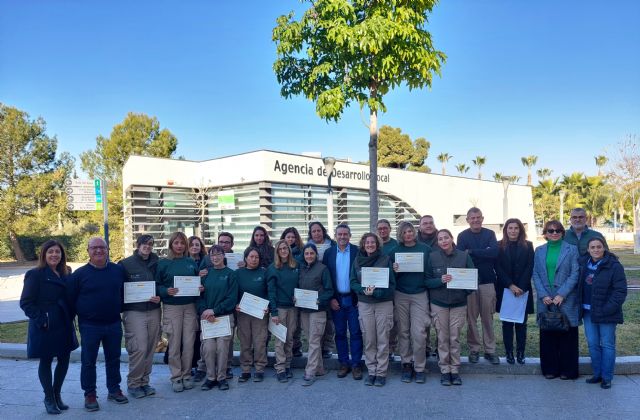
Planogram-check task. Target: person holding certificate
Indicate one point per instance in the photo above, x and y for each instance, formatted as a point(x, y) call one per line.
point(314, 276)
point(375, 307)
point(141, 318)
point(282, 279)
point(555, 276)
point(260, 240)
point(448, 306)
point(252, 331)
point(51, 331)
point(179, 318)
point(514, 268)
point(218, 300)
point(411, 265)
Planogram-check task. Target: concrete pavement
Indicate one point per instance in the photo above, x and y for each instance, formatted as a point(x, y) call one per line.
point(480, 396)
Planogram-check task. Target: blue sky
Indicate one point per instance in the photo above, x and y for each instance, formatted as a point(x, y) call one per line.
point(557, 79)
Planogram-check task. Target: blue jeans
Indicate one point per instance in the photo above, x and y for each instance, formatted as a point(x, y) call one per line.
point(347, 317)
point(111, 337)
point(601, 339)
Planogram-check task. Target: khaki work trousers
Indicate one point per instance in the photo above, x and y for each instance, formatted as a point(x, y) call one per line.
point(180, 323)
point(216, 351)
point(449, 322)
point(313, 324)
point(284, 351)
point(481, 303)
point(376, 321)
point(141, 334)
point(412, 316)
point(252, 333)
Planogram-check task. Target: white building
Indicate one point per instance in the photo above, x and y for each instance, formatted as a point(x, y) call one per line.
point(278, 190)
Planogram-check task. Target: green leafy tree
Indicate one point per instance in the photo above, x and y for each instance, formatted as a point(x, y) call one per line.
point(498, 176)
point(544, 173)
point(479, 162)
point(137, 134)
point(462, 168)
point(31, 177)
point(546, 201)
point(443, 158)
point(396, 150)
point(601, 160)
point(345, 51)
point(529, 162)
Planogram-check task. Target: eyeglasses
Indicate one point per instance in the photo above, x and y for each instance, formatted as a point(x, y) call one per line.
point(94, 248)
point(217, 255)
point(224, 242)
point(552, 231)
point(578, 217)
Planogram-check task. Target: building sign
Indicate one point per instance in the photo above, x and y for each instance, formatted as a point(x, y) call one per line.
point(83, 194)
point(287, 168)
point(226, 200)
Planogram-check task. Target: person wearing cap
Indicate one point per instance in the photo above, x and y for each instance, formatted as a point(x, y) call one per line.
point(141, 320)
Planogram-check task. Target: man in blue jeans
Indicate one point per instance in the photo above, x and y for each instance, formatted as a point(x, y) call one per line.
point(96, 293)
point(344, 305)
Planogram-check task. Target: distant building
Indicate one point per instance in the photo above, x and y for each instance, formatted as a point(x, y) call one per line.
point(278, 190)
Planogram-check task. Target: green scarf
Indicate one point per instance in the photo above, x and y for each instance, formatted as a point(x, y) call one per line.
point(364, 260)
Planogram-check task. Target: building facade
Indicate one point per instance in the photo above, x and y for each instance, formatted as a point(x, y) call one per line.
point(278, 190)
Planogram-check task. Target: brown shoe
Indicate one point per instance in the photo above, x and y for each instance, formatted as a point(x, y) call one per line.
point(344, 371)
point(357, 373)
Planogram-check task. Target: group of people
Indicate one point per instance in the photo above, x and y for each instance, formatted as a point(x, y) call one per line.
point(573, 273)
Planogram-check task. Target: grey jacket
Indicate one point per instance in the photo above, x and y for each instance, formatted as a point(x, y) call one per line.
point(565, 281)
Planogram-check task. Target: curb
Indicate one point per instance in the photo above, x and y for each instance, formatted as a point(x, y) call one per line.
point(625, 365)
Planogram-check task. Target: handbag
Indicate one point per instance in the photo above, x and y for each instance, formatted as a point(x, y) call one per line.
point(553, 320)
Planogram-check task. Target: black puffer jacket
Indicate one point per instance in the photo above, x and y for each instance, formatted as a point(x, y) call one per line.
point(609, 289)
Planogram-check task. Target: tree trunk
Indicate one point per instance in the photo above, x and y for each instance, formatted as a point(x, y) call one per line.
point(15, 244)
point(373, 164)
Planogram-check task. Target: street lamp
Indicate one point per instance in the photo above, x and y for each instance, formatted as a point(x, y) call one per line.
point(506, 180)
point(562, 193)
point(329, 163)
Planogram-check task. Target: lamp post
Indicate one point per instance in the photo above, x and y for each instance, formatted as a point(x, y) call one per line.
point(562, 194)
point(329, 163)
point(505, 198)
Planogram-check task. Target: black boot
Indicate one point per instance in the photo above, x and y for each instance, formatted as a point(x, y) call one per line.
point(520, 357)
point(510, 358)
point(61, 405)
point(50, 405)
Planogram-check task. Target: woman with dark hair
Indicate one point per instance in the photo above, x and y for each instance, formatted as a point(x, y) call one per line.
point(197, 251)
point(448, 306)
point(252, 332)
point(260, 240)
point(375, 308)
point(219, 299)
point(51, 331)
point(282, 279)
point(411, 305)
point(314, 276)
point(318, 235)
point(179, 318)
point(603, 289)
point(514, 268)
point(293, 239)
point(555, 276)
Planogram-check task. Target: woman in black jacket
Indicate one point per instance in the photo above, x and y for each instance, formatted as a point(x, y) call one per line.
point(603, 288)
point(51, 332)
point(514, 268)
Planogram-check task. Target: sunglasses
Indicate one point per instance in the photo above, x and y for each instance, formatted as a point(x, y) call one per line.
point(552, 231)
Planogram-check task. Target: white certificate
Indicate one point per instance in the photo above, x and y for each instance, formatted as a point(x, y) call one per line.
point(321, 250)
point(463, 278)
point(233, 258)
point(220, 327)
point(187, 285)
point(253, 305)
point(513, 308)
point(410, 262)
point(280, 331)
point(375, 276)
point(139, 291)
point(306, 298)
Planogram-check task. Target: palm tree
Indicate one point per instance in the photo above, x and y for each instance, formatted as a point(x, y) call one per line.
point(529, 161)
point(462, 168)
point(479, 161)
point(544, 173)
point(444, 158)
point(601, 160)
point(497, 177)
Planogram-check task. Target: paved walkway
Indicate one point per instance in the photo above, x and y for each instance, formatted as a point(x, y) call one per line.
point(481, 396)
